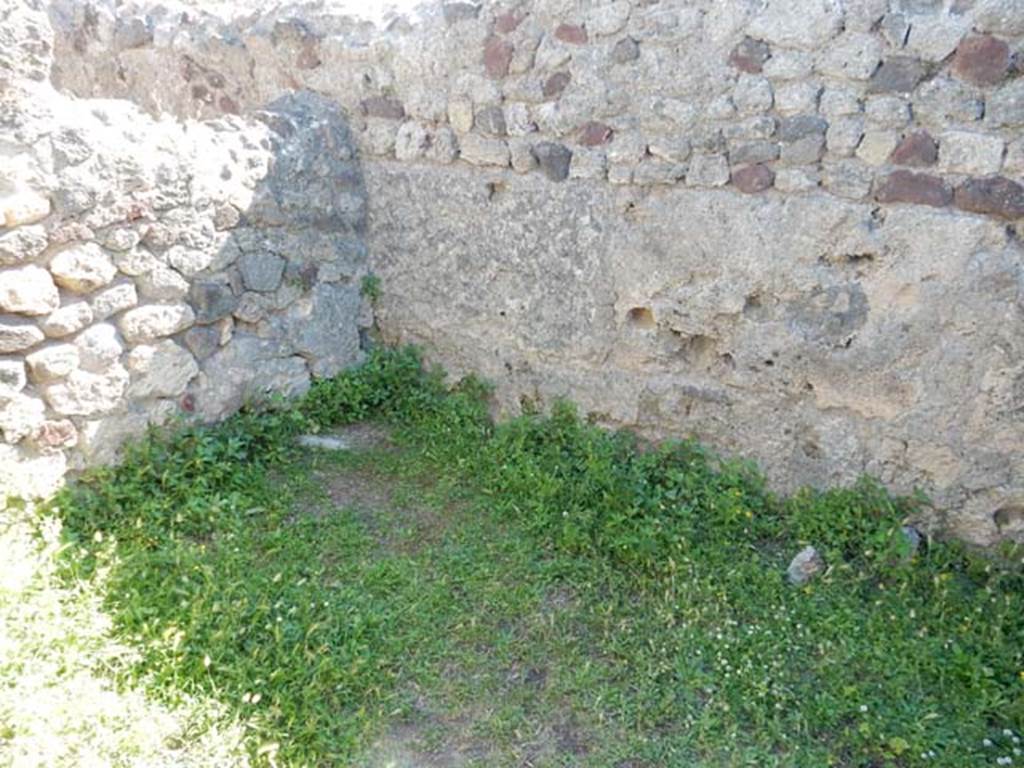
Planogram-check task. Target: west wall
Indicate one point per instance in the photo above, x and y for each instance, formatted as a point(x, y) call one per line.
point(788, 227)
point(153, 269)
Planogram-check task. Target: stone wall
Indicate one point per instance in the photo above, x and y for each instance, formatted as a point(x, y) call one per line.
point(789, 227)
point(151, 268)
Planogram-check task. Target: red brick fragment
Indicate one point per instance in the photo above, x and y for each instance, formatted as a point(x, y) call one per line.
point(497, 56)
point(56, 434)
point(507, 22)
point(910, 187)
point(309, 56)
point(995, 196)
point(750, 55)
point(918, 149)
point(383, 107)
point(753, 178)
point(981, 60)
point(573, 34)
point(594, 134)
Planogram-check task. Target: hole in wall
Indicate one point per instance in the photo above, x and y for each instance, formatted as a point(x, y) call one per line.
point(859, 258)
point(494, 189)
point(530, 404)
point(631, 210)
point(755, 308)
point(811, 449)
point(700, 345)
point(641, 317)
point(367, 340)
point(1010, 516)
point(698, 350)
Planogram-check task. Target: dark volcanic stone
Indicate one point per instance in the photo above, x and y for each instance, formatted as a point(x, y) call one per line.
point(455, 12)
point(900, 74)
point(625, 51)
point(491, 121)
point(555, 84)
point(211, 302)
point(799, 127)
point(553, 159)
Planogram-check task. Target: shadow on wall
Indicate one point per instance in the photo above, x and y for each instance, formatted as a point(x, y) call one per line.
point(291, 296)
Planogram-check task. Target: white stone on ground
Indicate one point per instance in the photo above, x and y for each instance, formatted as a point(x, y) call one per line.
point(325, 442)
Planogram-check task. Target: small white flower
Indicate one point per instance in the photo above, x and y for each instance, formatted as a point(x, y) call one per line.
point(986, 742)
point(863, 707)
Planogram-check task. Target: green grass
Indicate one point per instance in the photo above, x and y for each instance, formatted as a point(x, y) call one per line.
point(370, 287)
point(536, 592)
point(57, 652)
